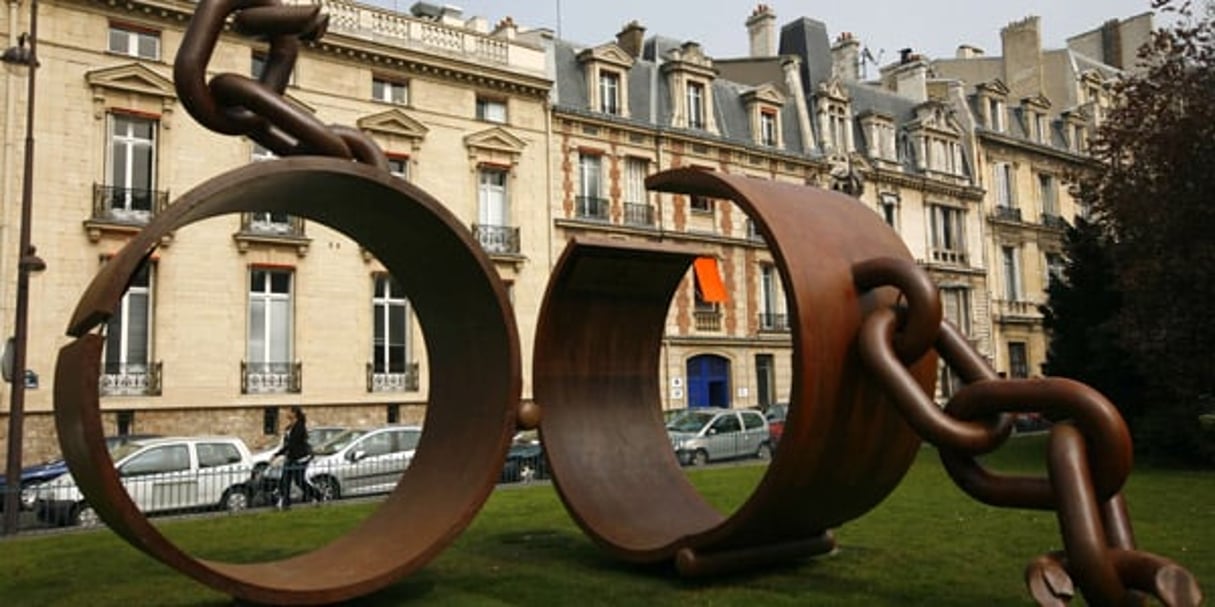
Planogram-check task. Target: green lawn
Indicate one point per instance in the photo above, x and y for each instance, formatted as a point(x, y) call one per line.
point(928, 543)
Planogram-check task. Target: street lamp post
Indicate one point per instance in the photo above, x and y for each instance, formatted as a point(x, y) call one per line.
point(27, 262)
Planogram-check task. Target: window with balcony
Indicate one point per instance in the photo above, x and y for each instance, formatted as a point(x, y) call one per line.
point(269, 366)
point(128, 368)
point(696, 105)
point(491, 110)
point(955, 304)
point(1003, 180)
point(772, 315)
point(590, 203)
point(948, 238)
point(637, 209)
point(493, 228)
point(1011, 257)
point(134, 41)
point(389, 91)
point(710, 293)
point(1048, 191)
point(130, 195)
point(609, 92)
point(1018, 360)
point(392, 368)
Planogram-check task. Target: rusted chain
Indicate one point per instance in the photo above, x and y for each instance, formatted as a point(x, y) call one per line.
point(234, 104)
point(919, 329)
point(1089, 455)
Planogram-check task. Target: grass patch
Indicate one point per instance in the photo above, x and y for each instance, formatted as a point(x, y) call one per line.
point(928, 543)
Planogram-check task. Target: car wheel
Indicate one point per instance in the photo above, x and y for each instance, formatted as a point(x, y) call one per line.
point(327, 488)
point(764, 451)
point(700, 458)
point(86, 516)
point(235, 499)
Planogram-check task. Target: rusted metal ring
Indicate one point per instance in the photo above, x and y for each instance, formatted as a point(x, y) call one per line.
point(468, 323)
point(596, 361)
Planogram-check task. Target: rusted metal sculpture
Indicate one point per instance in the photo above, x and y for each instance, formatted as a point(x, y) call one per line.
point(867, 332)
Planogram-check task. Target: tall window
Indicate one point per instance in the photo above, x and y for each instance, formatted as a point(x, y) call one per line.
point(128, 333)
point(947, 235)
point(609, 92)
point(889, 207)
point(270, 347)
point(765, 379)
point(837, 127)
point(132, 171)
point(134, 41)
point(995, 114)
point(267, 222)
point(955, 302)
point(389, 91)
point(492, 197)
point(491, 110)
point(1049, 192)
point(1012, 273)
point(696, 105)
point(767, 128)
point(771, 313)
point(1054, 268)
point(590, 187)
point(1002, 173)
point(390, 342)
point(637, 210)
point(1018, 361)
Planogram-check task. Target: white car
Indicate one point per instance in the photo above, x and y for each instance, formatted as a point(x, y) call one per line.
point(160, 474)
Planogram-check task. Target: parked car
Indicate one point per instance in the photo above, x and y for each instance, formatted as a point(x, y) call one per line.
point(776, 414)
point(702, 435)
point(362, 462)
point(49, 470)
point(316, 437)
point(160, 475)
point(525, 460)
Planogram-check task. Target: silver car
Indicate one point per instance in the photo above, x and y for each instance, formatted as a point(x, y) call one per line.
point(702, 435)
point(363, 462)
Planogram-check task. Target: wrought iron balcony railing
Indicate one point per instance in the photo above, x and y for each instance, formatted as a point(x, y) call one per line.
point(638, 214)
point(502, 240)
point(381, 381)
point(130, 379)
point(272, 224)
point(773, 322)
point(591, 207)
point(271, 378)
point(1051, 220)
point(119, 204)
point(1007, 213)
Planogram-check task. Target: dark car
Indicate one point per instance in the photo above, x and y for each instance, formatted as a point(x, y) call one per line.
point(776, 415)
point(525, 459)
point(53, 469)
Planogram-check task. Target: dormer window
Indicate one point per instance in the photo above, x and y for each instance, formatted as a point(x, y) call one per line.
point(1035, 111)
point(696, 105)
point(834, 117)
point(995, 114)
point(609, 92)
point(992, 105)
point(767, 128)
point(880, 136)
point(837, 128)
point(606, 69)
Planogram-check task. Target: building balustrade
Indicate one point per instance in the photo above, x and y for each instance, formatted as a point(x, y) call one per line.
point(638, 214)
point(1054, 221)
point(265, 224)
point(271, 378)
point(949, 256)
point(501, 240)
point(1007, 308)
point(123, 205)
point(404, 381)
point(130, 379)
point(707, 320)
point(592, 207)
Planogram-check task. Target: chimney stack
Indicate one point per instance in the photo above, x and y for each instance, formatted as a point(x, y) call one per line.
point(630, 39)
point(1022, 46)
point(967, 51)
point(846, 57)
point(761, 28)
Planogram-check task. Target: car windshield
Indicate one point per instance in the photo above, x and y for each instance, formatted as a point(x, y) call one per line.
point(689, 421)
point(336, 443)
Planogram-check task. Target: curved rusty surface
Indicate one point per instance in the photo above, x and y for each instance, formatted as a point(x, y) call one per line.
point(844, 448)
point(468, 323)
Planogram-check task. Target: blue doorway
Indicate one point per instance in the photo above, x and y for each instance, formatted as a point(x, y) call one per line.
point(708, 381)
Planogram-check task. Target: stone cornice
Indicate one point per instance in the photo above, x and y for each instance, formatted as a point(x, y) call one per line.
point(924, 184)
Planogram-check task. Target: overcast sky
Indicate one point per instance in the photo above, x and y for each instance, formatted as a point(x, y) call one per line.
point(931, 27)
